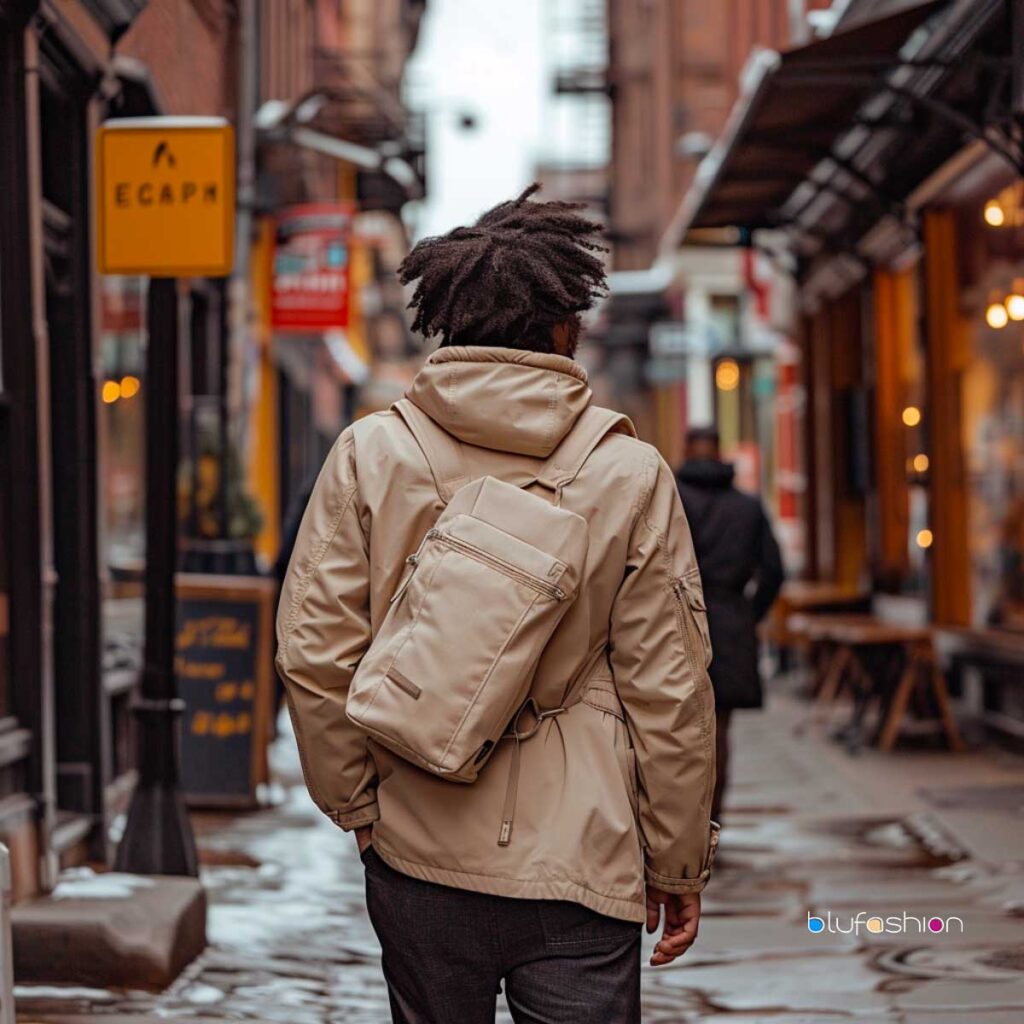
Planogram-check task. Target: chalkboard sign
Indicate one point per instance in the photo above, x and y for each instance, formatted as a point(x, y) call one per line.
point(223, 669)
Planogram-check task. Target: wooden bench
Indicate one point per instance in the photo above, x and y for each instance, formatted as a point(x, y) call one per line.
point(996, 653)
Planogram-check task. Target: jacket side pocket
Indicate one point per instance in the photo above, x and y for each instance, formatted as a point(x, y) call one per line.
point(630, 770)
point(694, 613)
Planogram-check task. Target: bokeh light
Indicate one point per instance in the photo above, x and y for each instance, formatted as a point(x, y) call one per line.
point(727, 375)
point(995, 216)
point(996, 315)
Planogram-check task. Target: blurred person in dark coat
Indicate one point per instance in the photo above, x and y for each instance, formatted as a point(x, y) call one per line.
point(741, 568)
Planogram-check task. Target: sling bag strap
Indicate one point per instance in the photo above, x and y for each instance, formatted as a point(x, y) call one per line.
point(519, 734)
point(563, 465)
point(444, 452)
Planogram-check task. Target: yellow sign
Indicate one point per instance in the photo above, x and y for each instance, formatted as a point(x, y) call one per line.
point(166, 196)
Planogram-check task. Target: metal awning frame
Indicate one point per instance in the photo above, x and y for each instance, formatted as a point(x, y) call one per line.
point(1009, 148)
point(1007, 145)
point(1006, 148)
point(284, 123)
point(895, 84)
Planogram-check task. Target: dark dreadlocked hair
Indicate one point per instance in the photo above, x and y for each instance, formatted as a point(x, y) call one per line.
point(522, 268)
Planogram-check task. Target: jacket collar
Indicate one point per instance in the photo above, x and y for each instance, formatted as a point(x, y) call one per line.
point(502, 398)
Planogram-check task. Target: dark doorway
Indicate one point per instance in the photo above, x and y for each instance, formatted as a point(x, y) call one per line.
point(81, 721)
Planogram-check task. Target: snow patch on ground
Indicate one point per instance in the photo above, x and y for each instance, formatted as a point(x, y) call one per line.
point(86, 884)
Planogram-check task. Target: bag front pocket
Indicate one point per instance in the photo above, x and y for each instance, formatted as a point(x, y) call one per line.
point(467, 626)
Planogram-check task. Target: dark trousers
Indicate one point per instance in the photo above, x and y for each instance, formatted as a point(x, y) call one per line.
point(722, 719)
point(446, 952)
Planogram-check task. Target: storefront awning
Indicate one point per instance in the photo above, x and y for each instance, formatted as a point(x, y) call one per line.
point(793, 109)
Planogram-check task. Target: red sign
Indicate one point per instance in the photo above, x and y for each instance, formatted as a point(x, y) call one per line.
point(311, 268)
point(746, 458)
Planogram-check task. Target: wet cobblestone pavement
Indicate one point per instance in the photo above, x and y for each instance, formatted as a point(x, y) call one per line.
point(809, 830)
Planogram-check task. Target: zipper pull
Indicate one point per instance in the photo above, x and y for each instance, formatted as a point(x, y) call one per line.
point(412, 560)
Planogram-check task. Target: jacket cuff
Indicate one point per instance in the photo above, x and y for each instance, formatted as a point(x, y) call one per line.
point(362, 816)
point(677, 885)
point(668, 883)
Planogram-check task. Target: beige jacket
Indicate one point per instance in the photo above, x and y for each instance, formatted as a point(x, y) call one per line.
point(616, 787)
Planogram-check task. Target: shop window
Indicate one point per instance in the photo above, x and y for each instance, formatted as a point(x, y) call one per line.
point(724, 315)
point(992, 405)
point(122, 399)
point(897, 426)
point(744, 406)
point(913, 428)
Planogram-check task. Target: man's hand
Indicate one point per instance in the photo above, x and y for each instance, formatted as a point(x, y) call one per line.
point(363, 837)
point(682, 916)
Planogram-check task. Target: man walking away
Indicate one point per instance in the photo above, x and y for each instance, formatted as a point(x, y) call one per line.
point(418, 585)
point(741, 568)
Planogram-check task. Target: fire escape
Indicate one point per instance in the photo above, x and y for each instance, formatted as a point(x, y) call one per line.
point(574, 161)
point(365, 107)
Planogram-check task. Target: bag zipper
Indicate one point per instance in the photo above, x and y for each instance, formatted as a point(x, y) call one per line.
point(413, 560)
point(499, 564)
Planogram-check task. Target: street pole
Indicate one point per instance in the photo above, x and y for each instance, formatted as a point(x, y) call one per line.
point(234, 387)
point(158, 835)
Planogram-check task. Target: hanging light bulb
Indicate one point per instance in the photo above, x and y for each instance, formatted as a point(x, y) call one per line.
point(995, 215)
point(996, 315)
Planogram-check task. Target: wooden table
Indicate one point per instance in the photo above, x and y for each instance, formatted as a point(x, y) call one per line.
point(809, 595)
point(799, 597)
point(812, 632)
point(849, 640)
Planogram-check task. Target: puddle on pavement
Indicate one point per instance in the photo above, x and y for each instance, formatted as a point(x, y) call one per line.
point(961, 963)
point(918, 840)
point(977, 798)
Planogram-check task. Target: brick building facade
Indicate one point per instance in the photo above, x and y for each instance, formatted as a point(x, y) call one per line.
point(674, 75)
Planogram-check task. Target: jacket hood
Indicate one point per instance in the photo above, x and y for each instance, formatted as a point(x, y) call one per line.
point(501, 398)
point(709, 473)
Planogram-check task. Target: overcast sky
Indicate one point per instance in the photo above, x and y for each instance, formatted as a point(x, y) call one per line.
point(484, 57)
